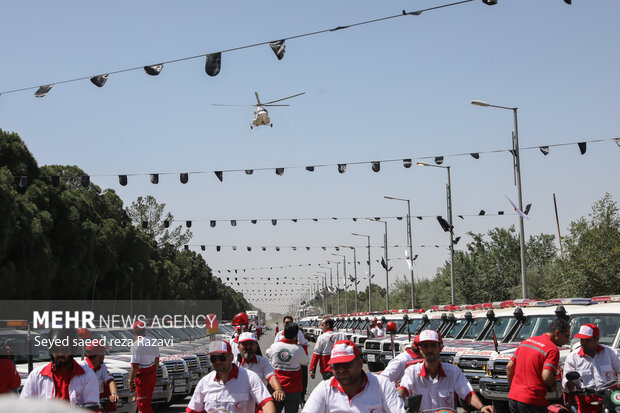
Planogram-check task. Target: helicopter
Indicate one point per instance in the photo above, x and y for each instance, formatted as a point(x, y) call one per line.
point(261, 116)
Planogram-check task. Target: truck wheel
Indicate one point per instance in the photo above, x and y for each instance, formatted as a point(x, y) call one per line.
point(373, 367)
point(501, 406)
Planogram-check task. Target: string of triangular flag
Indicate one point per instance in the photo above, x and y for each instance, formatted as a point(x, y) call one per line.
point(249, 248)
point(22, 181)
point(213, 63)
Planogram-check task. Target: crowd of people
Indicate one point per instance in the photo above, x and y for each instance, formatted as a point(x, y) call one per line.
point(243, 380)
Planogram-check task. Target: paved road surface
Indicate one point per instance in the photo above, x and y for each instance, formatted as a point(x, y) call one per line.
point(265, 341)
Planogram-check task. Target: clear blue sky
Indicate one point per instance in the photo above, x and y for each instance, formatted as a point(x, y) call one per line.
point(390, 90)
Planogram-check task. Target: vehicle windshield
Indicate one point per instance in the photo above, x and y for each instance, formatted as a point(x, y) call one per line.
point(606, 323)
point(178, 334)
point(434, 324)
point(502, 327)
point(115, 345)
point(474, 329)
point(533, 326)
point(20, 348)
point(456, 328)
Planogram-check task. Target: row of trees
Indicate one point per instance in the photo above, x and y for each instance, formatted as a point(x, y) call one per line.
point(63, 240)
point(489, 268)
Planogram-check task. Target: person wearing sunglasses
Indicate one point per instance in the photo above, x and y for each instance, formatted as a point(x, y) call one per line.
point(352, 389)
point(437, 382)
point(228, 387)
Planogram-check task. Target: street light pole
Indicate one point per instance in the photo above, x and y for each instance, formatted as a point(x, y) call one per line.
point(409, 240)
point(324, 288)
point(517, 171)
point(387, 267)
point(355, 273)
point(344, 266)
point(331, 284)
point(337, 280)
point(449, 207)
point(369, 272)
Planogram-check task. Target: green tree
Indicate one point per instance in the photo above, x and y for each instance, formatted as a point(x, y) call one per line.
point(148, 210)
point(591, 263)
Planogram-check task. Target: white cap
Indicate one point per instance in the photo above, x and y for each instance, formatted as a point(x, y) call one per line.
point(429, 335)
point(247, 337)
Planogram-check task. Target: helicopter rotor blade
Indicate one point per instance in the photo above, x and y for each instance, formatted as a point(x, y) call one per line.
point(219, 104)
point(274, 105)
point(257, 98)
point(278, 100)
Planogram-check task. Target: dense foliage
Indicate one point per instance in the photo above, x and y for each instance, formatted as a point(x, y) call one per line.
point(72, 242)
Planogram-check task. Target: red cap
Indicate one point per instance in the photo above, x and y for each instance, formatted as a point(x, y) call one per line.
point(84, 333)
point(139, 325)
point(587, 331)
point(343, 351)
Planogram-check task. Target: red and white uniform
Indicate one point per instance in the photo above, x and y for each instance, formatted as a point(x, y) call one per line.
point(101, 372)
point(240, 394)
point(594, 371)
point(260, 366)
point(277, 328)
point(9, 379)
point(437, 392)
point(234, 345)
point(377, 395)
point(78, 386)
point(396, 367)
point(378, 332)
point(145, 354)
point(301, 339)
point(323, 349)
point(533, 355)
point(287, 357)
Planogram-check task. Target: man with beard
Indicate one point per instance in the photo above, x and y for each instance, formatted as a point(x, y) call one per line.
point(437, 382)
point(229, 388)
point(351, 389)
point(63, 378)
point(248, 359)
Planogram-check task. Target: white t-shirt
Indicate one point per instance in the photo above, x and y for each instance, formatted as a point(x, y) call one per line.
point(260, 366)
point(594, 371)
point(144, 351)
point(396, 367)
point(102, 373)
point(240, 394)
point(378, 395)
point(301, 339)
point(378, 332)
point(437, 392)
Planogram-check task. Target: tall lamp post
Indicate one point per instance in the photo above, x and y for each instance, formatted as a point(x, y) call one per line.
point(517, 171)
point(337, 281)
point(331, 283)
point(325, 287)
point(369, 271)
point(354, 271)
point(449, 202)
point(387, 268)
point(409, 242)
point(344, 270)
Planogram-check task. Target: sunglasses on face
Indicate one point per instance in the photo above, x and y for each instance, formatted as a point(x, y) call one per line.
point(221, 357)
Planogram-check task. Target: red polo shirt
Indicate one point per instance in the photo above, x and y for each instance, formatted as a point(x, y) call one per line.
point(532, 357)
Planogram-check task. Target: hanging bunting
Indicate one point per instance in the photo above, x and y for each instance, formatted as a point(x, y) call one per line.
point(274, 221)
point(444, 224)
point(544, 150)
point(582, 147)
point(342, 167)
point(376, 166)
point(249, 171)
point(527, 209)
point(482, 212)
point(85, 181)
point(153, 70)
point(122, 180)
point(213, 64)
point(100, 80)
point(310, 168)
point(202, 247)
point(456, 240)
point(278, 249)
point(294, 219)
point(166, 223)
point(617, 140)
point(500, 212)
point(278, 48)
point(233, 222)
point(279, 171)
point(213, 222)
point(517, 210)
point(154, 178)
point(419, 217)
point(253, 221)
point(438, 160)
point(475, 155)
point(264, 249)
point(234, 248)
point(512, 152)
point(220, 175)
point(188, 224)
point(407, 163)
point(184, 177)
point(355, 219)
point(42, 91)
point(324, 248)
point(315, 219)
point(399, 218)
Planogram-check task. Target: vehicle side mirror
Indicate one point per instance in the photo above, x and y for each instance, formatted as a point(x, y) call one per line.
point(573, 375)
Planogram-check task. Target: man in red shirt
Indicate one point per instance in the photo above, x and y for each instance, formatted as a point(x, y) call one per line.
point(533, 367)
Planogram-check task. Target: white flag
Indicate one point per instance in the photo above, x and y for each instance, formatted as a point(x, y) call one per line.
point(517, 210)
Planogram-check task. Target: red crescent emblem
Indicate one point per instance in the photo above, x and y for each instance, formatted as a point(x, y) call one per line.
point(238, 406)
